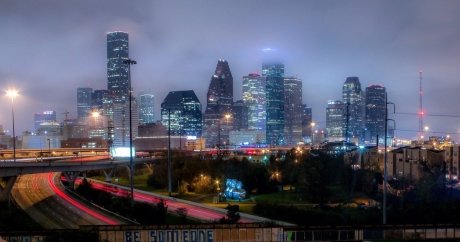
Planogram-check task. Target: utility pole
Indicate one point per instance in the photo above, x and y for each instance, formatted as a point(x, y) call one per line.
point(130, 62)
point(169, 152)
point(385, 169)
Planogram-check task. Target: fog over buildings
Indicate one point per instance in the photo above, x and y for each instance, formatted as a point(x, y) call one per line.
point(51, 48)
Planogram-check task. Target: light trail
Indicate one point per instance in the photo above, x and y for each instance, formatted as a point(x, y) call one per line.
point(80, 206)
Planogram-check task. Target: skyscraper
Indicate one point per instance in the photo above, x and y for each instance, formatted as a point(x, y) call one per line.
point(117, 71)
point(293, 110)
point(121, 123)
point(240, 115)
point(274, 72)
point(146, 102)
point(184, 110)
point(116, 106)
point(98, 98)
point(44, 117)
point(84, 102)
point(335, 116)
point(375, 113)
point(219, 106)
point(354, 119)
point(307, 127)
point(254, 97)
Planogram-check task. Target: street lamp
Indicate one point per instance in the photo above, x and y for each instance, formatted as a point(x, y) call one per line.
point(130, 62)
point(12, 93)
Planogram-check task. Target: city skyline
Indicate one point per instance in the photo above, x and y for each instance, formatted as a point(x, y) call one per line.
point(320, 43)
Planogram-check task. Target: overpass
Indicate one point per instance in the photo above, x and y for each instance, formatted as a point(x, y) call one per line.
point(9, 171)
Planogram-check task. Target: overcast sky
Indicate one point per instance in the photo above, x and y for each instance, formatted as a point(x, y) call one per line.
point(50, 48)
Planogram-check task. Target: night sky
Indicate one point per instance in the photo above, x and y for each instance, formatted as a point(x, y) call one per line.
point(50, 48)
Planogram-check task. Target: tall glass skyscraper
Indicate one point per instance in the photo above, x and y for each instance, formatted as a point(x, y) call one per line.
point(117, 71)
point(184, 110)
point(335, 116)
point(353, 99)
point(217, 123)
point(375, 113)
point(116, 107)
point(146, 101)
point(307, 127)
point(274, 72)
point(84, 102)
point(293, 110)
point(254, 96)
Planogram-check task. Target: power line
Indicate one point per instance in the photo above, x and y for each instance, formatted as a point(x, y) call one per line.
point(435, 132)
point(432, 115)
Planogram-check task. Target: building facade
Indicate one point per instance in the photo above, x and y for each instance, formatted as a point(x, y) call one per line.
point(293, 110)
point(45, 116)
point(181, 111)
point(117, 70)
point(219, 100)
point(274, 74)
point(116, 106)
point(354, 110)
point(375, 113)
point(307, 124)
point(254, 96)
point(146, 101)
point(335, 117)
point(84, 102)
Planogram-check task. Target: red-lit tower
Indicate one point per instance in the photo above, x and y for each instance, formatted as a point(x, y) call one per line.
point(421, 112)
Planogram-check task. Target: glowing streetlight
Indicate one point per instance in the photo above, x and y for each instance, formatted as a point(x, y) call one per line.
point(12, 93)
point(426, 128)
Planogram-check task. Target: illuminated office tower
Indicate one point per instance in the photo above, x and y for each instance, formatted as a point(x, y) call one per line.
point(375, 113)
point(44, 117)
point(182, 111)
point(292, 110)
point(354, 110)
point(117, 71)
point(219, 106)
point(84, 102)
point(146, 101)
point(335, 116)
point(307, 125)
point(254, 97)
point(274, 72)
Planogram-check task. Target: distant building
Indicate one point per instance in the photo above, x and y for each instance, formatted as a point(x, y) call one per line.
point(307, 127)
point(335, 115)
point(84, 102)
point(354, 109)
point(98, 99)
point(452, 158)
point(375, 113)
point(146, 101)
point(45, 116)
point(240, 115)
point(293, 110)
point(274, 73)
point(121, 130)
point(152, 129)
point(117, 107)
point(254, 96)
point(247, 137)
point(117, 71)
point(413, 163)
point(181, 110)
point(219, 106)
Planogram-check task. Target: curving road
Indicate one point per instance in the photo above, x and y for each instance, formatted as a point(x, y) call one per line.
point(41, 196)
point(195, 210)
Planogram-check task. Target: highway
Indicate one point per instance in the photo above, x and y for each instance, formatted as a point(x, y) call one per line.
point(194, 210)
point(41, 196)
